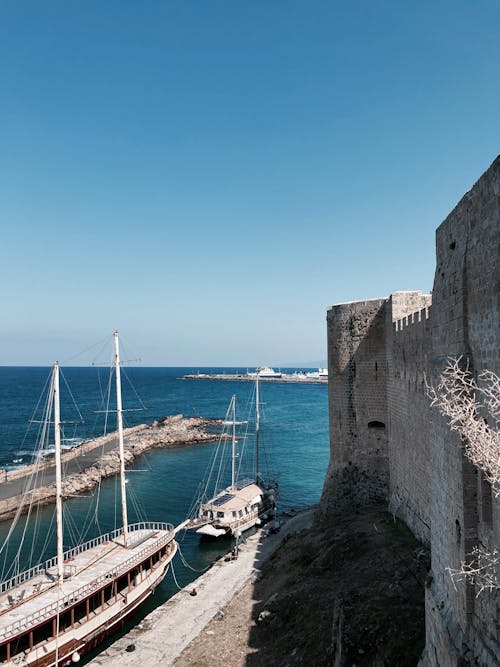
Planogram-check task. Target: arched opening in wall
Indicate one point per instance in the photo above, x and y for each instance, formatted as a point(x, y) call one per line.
point(376, 425)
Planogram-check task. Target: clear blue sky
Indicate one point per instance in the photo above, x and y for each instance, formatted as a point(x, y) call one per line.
point(209, 176)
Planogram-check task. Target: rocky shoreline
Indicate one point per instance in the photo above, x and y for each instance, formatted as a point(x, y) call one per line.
point(98, 459)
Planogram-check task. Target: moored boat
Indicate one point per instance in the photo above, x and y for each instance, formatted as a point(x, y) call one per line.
point(55, 611)
point(244, 503)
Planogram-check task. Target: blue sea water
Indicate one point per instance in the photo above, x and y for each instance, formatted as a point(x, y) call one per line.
point(294, 429)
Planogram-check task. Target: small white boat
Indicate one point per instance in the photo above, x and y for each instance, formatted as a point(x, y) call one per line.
point(232, 509)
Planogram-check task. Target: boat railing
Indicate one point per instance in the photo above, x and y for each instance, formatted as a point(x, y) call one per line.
point(46, 612)
point(71, 553)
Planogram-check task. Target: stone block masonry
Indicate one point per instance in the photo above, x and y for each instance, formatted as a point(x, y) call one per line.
point(387, 443)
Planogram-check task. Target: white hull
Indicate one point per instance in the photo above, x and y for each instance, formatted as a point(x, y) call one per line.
point(218, 530)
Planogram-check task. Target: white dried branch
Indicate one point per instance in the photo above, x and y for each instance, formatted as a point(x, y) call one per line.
point(481, 570)
point(473, 410)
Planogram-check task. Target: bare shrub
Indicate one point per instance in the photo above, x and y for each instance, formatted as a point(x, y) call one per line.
point(473, 410)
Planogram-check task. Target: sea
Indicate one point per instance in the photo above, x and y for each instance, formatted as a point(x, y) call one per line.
point(162, 484)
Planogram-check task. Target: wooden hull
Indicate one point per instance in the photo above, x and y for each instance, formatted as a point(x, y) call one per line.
point(87, 630)
point(74, 642)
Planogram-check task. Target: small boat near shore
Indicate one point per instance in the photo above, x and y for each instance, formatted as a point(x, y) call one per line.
point(55, 611)
point(246, 501)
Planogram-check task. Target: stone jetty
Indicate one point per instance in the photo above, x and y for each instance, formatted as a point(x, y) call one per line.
point(86, 465)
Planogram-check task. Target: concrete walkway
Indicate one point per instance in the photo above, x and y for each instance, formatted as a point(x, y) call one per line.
point(74, 462)
point(162, 636)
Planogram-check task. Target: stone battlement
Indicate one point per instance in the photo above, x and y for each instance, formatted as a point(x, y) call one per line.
point(387, 443)
point(410, 320)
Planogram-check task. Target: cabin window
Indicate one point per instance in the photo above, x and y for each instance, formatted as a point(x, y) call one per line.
point(220, 515)
point(95, 601)
point(122, 583)
point(3, 653)
point(234, 514)
point(42, 633)
point(80, 611)
point(109, 592)
point(240, 513)
point(64, 621)
point(21, 645)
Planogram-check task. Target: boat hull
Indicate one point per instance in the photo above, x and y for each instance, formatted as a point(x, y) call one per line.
point(81, 642)
point(84, 623)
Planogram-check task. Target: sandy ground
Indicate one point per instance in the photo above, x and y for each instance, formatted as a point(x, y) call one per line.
point(162, 636)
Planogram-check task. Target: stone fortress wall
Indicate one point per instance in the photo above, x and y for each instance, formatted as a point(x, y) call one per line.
point(388, 444)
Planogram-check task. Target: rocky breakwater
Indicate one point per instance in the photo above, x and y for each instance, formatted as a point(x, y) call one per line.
point(85, 466)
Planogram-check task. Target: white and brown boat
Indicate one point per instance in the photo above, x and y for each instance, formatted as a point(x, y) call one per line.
point(244, 503)
point(57, 610)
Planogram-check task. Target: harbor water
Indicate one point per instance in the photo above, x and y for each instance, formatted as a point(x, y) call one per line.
point(163, 483)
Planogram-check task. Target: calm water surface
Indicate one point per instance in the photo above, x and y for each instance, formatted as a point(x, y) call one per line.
point(294, 430)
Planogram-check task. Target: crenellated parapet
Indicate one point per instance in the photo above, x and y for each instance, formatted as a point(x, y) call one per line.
point(412, 321)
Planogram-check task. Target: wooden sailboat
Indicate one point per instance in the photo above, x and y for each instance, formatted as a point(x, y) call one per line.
point(54, 612)
point(244, 503)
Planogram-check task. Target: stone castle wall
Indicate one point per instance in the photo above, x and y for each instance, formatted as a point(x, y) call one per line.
point(387, 443)
point(407, 401)
point(358, 470)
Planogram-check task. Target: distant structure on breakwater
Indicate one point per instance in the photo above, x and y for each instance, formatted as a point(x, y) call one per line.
point(388, 444)
point(265, 374)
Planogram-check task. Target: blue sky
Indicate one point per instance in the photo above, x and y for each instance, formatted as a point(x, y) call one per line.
point(209, 176)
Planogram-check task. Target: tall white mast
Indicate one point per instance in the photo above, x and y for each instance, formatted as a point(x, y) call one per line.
point(57, 441)
point(233, 441)
point(257, 426)
point(119, 418)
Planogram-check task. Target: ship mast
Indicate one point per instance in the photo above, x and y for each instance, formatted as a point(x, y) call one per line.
point(57, 442)
point(233, 440)
point(119, 419)
point(257, 426)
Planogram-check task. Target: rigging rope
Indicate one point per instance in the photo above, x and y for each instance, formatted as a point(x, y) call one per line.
point(186, 564)
point(173, 575)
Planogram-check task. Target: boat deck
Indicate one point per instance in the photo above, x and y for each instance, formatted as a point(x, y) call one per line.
point(86, 569)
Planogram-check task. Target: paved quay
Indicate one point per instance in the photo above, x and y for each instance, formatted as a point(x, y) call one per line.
point(162, 636)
